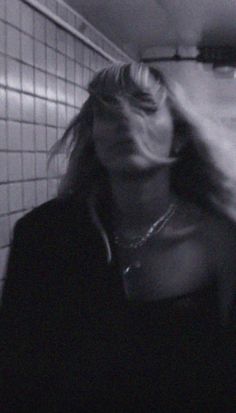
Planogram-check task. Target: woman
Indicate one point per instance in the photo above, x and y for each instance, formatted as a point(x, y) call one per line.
point(120, 292)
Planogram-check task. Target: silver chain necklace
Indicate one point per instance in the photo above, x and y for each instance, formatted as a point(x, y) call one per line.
point(156, 227)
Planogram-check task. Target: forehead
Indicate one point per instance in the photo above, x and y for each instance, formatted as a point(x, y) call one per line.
point(127, 79)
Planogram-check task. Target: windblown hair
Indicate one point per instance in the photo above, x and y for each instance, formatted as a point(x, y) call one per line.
point(197, 175)
point(85, 172)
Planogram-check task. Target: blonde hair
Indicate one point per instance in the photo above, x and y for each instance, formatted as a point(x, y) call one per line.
point(84, 170)
point(201, 173)
point(205, 172)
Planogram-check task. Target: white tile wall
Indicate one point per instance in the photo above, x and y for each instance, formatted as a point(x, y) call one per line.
point(2, 9)
point(40, 138)
point(27, 47)
point(15, 197)
point(41, 191)
point(3, 103)
point(13, 74)
point(3, 167)
point(28, 107)
point(13, 41)
point(28, 166)
point(4, 199)
point(44, 71)
point(3, 77)
point(14, 135)
point(2, 36)
point(28, 138)
point(13, 12)
point(27, 19)
point(29, 194)
point(40, 83)
point(28, 81)
point(3, 135)
point(13, 105)
point(3, 259)
point(4, 231)
point(14, 166)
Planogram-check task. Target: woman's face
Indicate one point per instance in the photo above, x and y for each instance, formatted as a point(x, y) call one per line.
point(130, 137)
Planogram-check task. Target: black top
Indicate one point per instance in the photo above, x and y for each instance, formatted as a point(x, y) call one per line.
point(73, 342)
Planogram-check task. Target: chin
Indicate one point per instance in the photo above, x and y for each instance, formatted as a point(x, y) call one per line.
point(132, 165)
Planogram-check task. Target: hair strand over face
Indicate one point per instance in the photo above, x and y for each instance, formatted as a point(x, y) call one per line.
point(191, 176)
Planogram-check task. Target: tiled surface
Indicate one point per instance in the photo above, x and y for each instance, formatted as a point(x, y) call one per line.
point(62, 10)
point(44, 71)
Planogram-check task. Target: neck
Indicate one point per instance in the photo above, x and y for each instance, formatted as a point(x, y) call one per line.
point(139, 199)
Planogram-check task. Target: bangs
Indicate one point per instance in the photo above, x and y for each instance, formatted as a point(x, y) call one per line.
point(134, 79)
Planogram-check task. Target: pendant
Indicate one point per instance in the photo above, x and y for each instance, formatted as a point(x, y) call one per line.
point(134, 266)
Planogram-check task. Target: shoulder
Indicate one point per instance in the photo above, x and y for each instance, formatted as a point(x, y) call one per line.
point(57, 213)
point(220, 230)
point(210, 227)
point(221, 235)
point(218, 236)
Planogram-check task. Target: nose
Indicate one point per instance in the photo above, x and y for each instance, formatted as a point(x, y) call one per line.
point(120, 119)
point(123, 126)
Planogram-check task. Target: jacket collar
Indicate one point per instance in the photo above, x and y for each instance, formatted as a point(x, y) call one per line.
point(98, 221)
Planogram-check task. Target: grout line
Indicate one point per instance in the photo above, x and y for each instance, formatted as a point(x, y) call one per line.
point(46, 178)
point(94, 29)
point(7, 135)
point(20, 60)
point(21, 113)
point(16, 211)
point(42, 151)
point(89, 67)
point(66, 26)
point(23, 92)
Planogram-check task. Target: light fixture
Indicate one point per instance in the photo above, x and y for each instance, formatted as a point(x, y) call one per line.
point(226, 70)
point(220, 60)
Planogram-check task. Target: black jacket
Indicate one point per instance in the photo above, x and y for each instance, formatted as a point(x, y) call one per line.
point(66, 328)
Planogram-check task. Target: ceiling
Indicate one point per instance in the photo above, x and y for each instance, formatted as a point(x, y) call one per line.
point(140, 25)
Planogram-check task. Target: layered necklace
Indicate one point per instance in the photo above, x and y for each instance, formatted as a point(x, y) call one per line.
point(157, 226)
point(138, 241)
